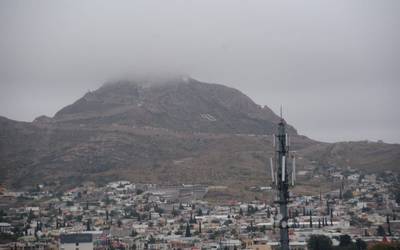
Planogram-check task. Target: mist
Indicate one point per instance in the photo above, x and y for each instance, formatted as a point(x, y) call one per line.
point(333, 65)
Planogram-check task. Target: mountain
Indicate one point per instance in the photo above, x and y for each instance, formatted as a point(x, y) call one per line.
point(173, 131)
point(179, 104)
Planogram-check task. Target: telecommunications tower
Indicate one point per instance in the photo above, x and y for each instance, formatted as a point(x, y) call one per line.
point(282, 178)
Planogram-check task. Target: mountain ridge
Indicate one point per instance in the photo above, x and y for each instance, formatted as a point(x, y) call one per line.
point(185, 105)
point(181, 132)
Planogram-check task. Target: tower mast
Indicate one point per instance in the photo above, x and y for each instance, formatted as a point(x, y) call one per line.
point(280, 177)
point(283, 185)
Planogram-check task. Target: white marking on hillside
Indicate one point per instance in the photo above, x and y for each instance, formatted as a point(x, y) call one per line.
point(208, 117)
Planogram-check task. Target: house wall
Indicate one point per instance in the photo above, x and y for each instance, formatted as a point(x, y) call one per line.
point(81, 246)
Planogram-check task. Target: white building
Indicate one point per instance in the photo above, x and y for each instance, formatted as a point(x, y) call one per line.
point(353, 177)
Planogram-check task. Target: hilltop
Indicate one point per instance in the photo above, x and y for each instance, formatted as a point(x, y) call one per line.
point(178, 104)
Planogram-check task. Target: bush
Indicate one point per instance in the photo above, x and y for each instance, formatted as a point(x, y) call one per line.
point(319, 242)
point(345, 240)
point(361, 245)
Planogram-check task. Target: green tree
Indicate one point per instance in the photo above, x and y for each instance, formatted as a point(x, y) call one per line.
point(345, 240)
point(200, 227)
point(319, 242)
point(152, 240)
point(187, 233)
point(348, 195)
point(88, 228)
point(2, 215)
point(79, 218)
point(175, 212)
point(107, 200)
point(361, 245)
point(158, 210)
point(30, 216)
point(380, 231)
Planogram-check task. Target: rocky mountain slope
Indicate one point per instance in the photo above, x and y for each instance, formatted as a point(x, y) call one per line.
point(179, 104)
point(181, 131)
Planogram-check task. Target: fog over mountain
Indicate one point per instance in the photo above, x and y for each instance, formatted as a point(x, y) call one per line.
point(333, 65)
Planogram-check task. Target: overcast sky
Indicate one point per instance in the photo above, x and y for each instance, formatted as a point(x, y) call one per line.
point(333, 65)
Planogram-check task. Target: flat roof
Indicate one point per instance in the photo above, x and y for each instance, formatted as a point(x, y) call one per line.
point(75, 238)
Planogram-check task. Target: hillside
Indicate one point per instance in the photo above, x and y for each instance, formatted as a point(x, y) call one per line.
point(182, 131)
point(372, 157)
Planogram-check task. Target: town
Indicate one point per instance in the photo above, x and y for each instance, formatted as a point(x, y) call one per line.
point(122, 215)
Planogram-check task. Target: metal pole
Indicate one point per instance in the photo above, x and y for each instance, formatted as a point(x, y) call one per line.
point(283, 183)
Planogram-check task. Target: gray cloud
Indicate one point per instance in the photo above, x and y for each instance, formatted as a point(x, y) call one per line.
point(334, 65)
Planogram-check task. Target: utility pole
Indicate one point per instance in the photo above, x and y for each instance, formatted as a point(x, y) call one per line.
point(280, 178)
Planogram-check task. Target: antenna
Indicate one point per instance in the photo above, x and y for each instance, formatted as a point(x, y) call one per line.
point(272, 170)
point(281, 111)
point(293, 169)
point(283, 174)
